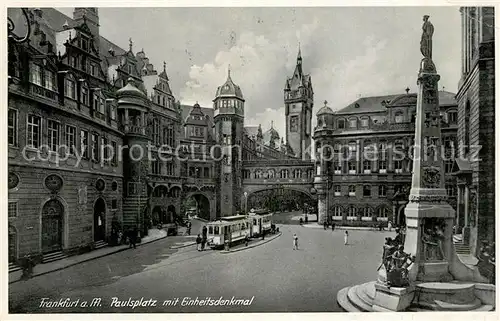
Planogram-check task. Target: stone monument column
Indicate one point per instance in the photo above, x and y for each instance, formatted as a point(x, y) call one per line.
point(429, 218)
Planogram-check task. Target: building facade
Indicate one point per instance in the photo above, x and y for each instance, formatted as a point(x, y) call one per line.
point(363, 156)
point(81, 109)
point(476, 131)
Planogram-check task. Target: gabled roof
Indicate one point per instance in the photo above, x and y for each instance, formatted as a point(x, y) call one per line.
point(186, 110)
point(251, 130)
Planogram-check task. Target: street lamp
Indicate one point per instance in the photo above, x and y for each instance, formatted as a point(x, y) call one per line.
point(246, 202)
point(11, 26)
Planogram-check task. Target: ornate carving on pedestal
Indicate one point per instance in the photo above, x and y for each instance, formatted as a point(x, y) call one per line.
point(431, 177)
point(428, 198)
point(433, 238)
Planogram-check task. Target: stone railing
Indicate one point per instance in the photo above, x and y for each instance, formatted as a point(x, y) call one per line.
point(43, 92)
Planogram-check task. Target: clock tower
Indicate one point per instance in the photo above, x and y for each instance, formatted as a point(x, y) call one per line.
point(298, 95)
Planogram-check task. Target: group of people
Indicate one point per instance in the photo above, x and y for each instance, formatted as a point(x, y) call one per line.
point(201, 240)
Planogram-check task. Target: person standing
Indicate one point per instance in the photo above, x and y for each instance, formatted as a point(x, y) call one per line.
point(333, 226)
point(295, 242)
point(389, 226)
point(346, 237)
point(198, 243)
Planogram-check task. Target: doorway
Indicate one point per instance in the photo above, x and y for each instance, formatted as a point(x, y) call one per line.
point(99, 220)
point(52, 217)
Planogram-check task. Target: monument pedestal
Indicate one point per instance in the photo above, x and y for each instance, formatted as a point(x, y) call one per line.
point(392, 299)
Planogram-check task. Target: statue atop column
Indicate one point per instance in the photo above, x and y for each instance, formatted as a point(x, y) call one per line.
point(426, 41)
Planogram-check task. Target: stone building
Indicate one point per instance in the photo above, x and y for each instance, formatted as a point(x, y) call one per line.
point(476, 131)
point(364, 175)
point(70, 86)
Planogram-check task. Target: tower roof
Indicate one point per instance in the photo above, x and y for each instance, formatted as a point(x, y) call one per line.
point(130, 90)
point(325, 110)
point(229, 88)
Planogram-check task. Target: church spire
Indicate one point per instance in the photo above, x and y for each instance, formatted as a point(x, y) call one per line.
point(299, 57)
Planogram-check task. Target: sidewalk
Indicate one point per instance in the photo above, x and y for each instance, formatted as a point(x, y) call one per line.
point(252, 243)
point(40, 269)
point(337, 227)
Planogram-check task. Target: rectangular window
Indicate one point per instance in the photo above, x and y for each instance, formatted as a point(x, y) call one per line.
point(448, 166)
point(206, 172)
point(12, 209)
point(95, 147)
point(364, 122)
point(34, 134)
point(382, 191)
point(70, 139)
point(84, 99)
point(115, 153)
point(352, 190)
point(50, 80)
point(294, 124)
point(84, 144)
point(114, 204)
point(398, 167)
point(96, 102)
point(352, 168)
point(337, 168)
point(382, 167)
point(12, 127)
point(93, 70)
point(112, 111)
point(70, 89)
point(367, 167)
point(367, 191)
point(353, 123)
point(337, 190)
point(73, 62)
point(36, 74)
point(155, 167)
point(85, 44)
point(452, 117)
point(170, 169)
point(53, 135)
point(105, 149)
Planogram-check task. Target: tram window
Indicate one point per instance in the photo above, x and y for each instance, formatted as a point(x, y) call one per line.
point(216, 230)
point(210, 230)
point(254, 222)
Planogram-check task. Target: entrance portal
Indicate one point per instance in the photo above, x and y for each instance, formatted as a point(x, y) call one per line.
point(197, 205)
point(99, 220)
point(52, 217)
point(401, 216)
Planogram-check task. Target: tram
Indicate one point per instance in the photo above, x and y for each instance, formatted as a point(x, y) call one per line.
point(261, 221)
point(230, 228)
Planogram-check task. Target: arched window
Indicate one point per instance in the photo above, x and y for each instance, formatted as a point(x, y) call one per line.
point(398, 117)
point(271, 173)
point(284, 173)
point(383, 212)
point(337, 211)
point(258, 174)
point(353, 122)
point(352, 213)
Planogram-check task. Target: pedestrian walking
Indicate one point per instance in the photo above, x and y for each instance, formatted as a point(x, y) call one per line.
point(389, 226)
point(325, 225)
point(203, 242)
point(307, 219)
point(198, 243)
point(246, 239)
point(295, 242)
point(346, 237)
point(333, 226)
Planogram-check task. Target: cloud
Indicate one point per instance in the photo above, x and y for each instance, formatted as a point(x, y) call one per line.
point(257, 63)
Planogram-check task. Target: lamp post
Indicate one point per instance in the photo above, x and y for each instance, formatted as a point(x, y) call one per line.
point(11, 26)
point(246, 202)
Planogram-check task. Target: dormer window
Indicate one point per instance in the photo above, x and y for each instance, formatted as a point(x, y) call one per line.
point(452, 117)
point(353, 123)
point(364, 122)
point(85, 44)
point(93, 69)
point(36, 74)
point(73, 61)
point(129, 69)
point(341, 124)
point(84, 97)
point(50, 80)
point(70, 88)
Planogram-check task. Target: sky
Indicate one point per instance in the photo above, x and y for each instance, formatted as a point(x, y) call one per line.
point(350, 52)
